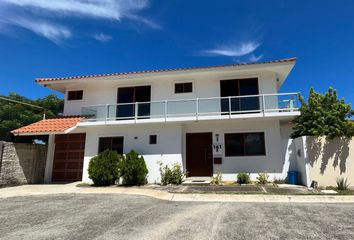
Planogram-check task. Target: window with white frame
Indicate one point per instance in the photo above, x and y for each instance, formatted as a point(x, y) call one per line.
point(244, 144)
point(75, 95)
point(185, 87)
point(111, 143)
point(153, 139)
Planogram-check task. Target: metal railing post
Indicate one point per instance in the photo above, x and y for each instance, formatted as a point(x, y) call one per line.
point(165, 110)
point(197, 108)
point(229, 106)
point(107, 114)
point(263, 104)
point(136, 111)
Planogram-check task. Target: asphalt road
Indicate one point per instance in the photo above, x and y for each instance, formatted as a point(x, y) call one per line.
point(113, 216)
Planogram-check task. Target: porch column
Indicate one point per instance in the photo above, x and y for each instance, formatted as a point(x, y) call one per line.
point(49, 161)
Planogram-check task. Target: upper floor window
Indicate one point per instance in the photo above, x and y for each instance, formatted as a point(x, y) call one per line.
point(186, 87)
point(75, 95)
point(244, 144)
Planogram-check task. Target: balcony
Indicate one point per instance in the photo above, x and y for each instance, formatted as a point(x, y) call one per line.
point(251, 106)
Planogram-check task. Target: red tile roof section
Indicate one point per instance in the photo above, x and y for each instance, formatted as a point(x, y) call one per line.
point(59, 124)
point(164, 70)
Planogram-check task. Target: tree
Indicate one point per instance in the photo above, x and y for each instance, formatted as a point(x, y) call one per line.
point(15, 115)
point(324, 115)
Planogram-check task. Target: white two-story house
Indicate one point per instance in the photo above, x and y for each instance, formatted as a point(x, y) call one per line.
point(228, 118)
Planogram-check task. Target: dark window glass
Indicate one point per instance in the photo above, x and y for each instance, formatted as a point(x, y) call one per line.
point(234, 145)
point(75, 95)
point(153, 139)
point(112, 143)
point(244, 144)
point(141, 94)
point(239, 87)
point(183, 87)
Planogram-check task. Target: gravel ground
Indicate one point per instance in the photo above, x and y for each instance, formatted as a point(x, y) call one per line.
point(115, 216)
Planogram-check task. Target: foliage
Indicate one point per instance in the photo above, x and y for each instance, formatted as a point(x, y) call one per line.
point(243, 178)
point(172, 175)
point(342, 183)
point(278, 181)
point(217, 179)
point(324, 115)
point(132, 169)
point(103, 168)
point(15, 115)
point(263, 178)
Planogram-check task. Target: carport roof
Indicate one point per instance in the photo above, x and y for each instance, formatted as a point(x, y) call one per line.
point(57, 125)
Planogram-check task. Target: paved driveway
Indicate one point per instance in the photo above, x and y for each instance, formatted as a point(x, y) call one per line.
point(115, 216)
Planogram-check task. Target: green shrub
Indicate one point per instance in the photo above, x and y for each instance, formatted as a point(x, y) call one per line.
point(243, 178)
point(132, 169)
point(278, 181)
point(172, 175)
point(262, 178)
point(103, 168)
point(217, 179)
point(342, 183)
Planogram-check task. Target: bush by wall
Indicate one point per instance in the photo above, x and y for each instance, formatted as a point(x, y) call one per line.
point(243, 178)
point(103, 168)
point(172, 175)
point(132, 169)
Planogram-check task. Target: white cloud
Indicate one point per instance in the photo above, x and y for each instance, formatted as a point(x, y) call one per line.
point(102, 37)
point(25, 13)
point(254, 58)
point(53, 32)
point(110, 9)
point(233, 50)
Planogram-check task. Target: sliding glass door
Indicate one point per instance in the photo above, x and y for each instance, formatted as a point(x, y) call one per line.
point(239, 87)
point(127, 96)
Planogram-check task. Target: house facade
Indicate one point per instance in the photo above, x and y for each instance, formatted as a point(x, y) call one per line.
point(229, 118)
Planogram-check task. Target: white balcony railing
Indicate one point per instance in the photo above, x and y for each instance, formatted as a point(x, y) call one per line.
point(197, 108)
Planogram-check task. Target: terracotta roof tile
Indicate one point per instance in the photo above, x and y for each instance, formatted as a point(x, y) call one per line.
point(164, 70)
point(59, 124)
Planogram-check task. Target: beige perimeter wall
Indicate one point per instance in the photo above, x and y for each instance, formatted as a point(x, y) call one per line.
point(329, 159)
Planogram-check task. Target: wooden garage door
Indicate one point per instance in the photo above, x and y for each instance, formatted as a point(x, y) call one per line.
point(68, 157)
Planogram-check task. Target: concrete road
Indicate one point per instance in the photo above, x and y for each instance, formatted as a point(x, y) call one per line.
point(115, 216)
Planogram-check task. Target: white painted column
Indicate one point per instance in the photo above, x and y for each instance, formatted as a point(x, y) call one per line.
point(49, 161)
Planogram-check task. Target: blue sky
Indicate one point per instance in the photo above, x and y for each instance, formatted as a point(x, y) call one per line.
point(41, 38)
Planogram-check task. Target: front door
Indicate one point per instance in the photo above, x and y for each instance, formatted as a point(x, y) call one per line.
point(199, 154)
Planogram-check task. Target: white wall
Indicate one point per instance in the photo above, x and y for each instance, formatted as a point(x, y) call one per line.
point(136, 137)
point(101, 91)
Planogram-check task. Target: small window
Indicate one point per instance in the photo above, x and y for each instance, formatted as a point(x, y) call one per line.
point(244, 144)
point(112, 143)
point(183, 87)
point(75, 95)
point(153, 139)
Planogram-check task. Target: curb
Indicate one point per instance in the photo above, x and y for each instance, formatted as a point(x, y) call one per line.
point(251, 198)
point(33, 190)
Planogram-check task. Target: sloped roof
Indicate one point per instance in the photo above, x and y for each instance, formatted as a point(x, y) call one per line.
point(47, 126)
point(39, 80)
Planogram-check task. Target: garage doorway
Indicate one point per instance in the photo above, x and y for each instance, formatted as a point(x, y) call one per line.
point(68, 157)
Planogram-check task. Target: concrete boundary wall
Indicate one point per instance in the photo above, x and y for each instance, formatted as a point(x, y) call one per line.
point(325, 160)
point(22, 163)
